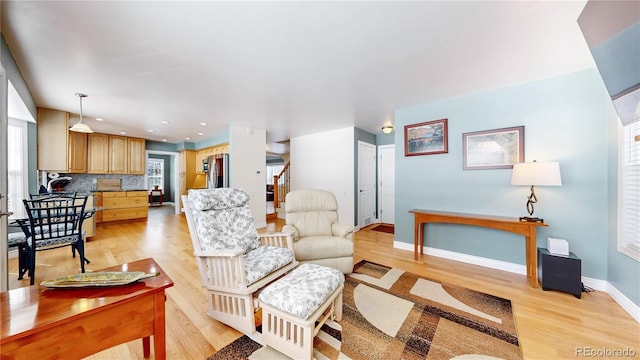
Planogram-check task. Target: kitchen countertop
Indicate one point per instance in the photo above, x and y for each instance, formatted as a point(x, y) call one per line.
point(122, 190)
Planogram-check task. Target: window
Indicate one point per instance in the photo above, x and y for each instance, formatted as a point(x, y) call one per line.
point(273, 170)
point(629, 194)
point(17, 174)
point(155, 173)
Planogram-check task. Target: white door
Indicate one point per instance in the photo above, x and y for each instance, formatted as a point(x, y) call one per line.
point(4, 266)
point(366, 184)
point(386, 183)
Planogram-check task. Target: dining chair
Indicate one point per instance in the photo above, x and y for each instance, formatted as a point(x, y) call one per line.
point(54, 222)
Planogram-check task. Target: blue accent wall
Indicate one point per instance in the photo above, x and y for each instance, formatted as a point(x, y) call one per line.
point(385, 139)
point(618, 60)
point(566, 119)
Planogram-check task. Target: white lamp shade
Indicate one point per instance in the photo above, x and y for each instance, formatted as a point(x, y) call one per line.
point(81, 127)
point(536, 173)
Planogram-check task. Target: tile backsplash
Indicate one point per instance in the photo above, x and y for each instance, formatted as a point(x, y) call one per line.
point(85, 182)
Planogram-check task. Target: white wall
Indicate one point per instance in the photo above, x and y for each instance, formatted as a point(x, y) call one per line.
point(326, 161)
point(247, 167)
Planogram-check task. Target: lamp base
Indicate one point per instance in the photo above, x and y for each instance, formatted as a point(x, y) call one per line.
point(531, 219)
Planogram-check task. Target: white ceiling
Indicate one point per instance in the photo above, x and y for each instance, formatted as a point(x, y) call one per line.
point(291, 68)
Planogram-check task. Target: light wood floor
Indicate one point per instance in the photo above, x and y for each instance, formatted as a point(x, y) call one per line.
point(551, 325)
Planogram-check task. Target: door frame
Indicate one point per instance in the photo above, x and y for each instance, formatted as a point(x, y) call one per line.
point(362, 144)
point(175, 175)
point(380, 169)
point(4, 125)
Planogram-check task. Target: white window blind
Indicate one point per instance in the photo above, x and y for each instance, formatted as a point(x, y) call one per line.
point(273, 170)
point(17, 175)
point(629, 173)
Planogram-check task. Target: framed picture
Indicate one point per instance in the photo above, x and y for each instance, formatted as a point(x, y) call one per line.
point(493, 149)
point(426, 138)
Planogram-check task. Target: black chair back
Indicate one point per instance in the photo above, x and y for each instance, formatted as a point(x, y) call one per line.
point(55, 220)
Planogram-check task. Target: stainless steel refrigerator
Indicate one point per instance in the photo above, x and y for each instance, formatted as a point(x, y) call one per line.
point(217, 169)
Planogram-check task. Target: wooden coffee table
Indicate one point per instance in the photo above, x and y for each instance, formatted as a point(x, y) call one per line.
point(42, 323)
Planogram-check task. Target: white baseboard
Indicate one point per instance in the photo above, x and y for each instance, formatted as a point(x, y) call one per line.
point(596, 284)
point(626, 303)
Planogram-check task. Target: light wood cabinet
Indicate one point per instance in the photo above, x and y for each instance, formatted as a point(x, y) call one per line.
point(187, 171)
point(53, 140)
point(202, 154)
point(136, 160)
point(77, 152)
point(89, 225)
point(117, 154)
point(124, 205)
point(61, 150)
point(98, 153)
point(98, 201)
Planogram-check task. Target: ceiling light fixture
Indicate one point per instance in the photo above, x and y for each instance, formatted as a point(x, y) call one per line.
point(80, 126)
point(387, 129)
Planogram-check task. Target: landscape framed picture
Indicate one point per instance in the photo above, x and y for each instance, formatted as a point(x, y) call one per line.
point(493, 149)
point(426, 138)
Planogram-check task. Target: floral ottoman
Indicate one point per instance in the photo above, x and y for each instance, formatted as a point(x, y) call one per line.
point(292, 306)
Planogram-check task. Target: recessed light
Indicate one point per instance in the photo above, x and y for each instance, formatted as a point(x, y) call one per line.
point(200, 134)
point(203, 123)
point(187, 138)
point(123, 132)
point(164, 122)
point(99, 119)
point(165, 140)
point(150, 130)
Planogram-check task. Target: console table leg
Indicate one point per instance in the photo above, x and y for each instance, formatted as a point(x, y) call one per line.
point(531, 259)
point(416, 239)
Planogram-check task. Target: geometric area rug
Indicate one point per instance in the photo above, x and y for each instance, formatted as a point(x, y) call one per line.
point(393, 314)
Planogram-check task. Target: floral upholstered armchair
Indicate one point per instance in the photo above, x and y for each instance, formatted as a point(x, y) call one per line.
point(233, 259)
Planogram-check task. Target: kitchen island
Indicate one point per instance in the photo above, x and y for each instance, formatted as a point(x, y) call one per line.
point(118, 205)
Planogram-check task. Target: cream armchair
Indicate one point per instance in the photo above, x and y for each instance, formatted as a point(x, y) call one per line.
point(312, 218)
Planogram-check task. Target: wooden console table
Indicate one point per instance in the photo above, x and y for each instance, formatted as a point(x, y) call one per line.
point(509, 224)
point(41, 323)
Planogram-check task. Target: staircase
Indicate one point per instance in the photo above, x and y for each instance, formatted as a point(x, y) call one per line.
point(281, 188)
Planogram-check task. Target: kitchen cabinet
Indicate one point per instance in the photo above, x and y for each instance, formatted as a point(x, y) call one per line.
point(64, 151)
point(89, 225)
point(202, 154)
point(98, 153)
point(53, 140)
point(117, 154)
point(98, 203)
point(77, 152)
point(187, 171)
point(124, 205)
point(136, 158)
point(112, 154)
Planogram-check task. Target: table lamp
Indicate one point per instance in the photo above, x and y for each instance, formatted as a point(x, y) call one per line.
point(535, 174)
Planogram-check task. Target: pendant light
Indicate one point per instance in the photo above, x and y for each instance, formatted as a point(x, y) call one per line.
point(80, 126)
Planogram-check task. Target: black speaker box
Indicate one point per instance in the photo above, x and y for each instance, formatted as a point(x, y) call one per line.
point(560, 272)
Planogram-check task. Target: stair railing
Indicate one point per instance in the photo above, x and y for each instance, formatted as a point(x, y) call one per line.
point(281, 185)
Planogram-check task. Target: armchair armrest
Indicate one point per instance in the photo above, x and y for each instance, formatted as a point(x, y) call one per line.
point(219, 253)
point(280, 239)
point(221, 268)
point(342, 230)
point(290, 229)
